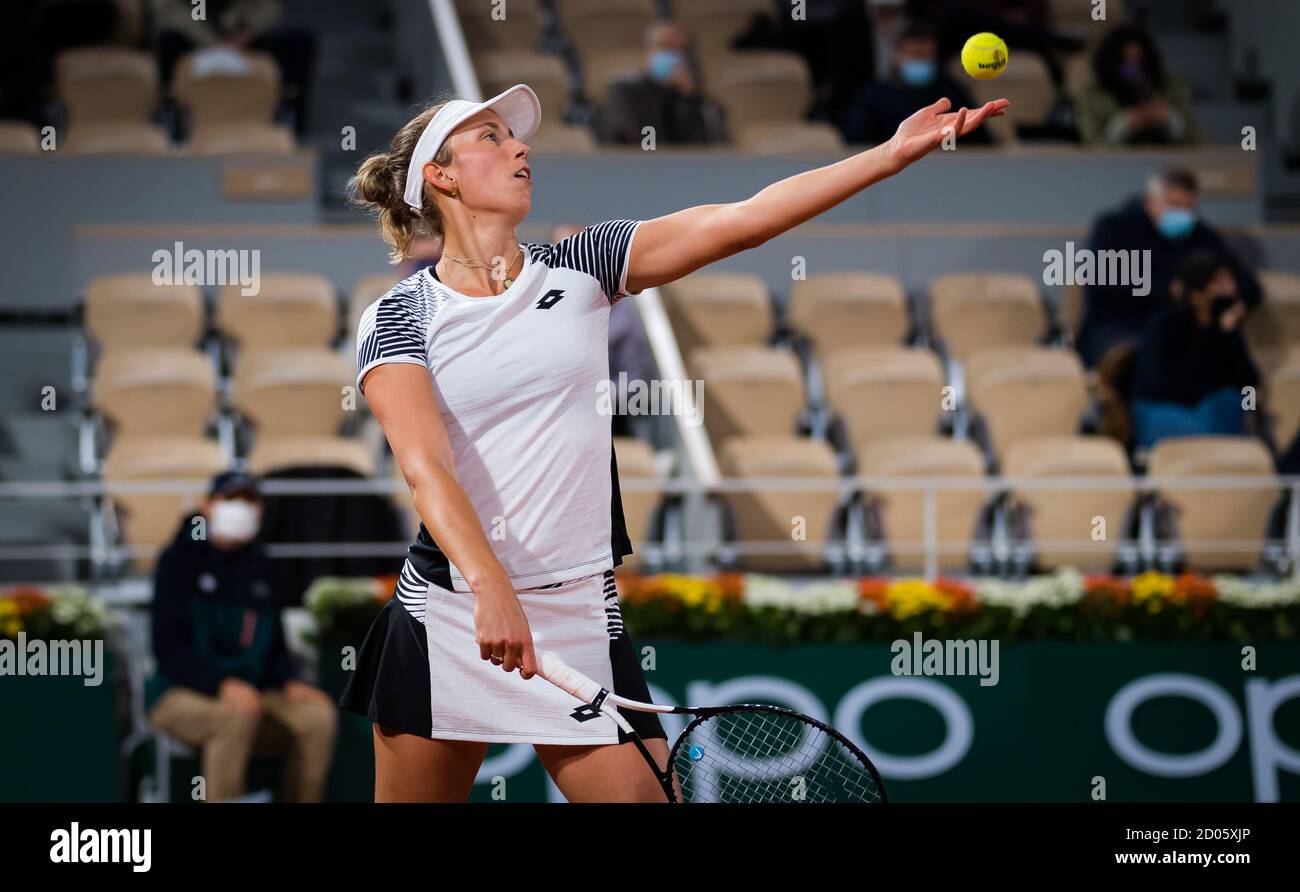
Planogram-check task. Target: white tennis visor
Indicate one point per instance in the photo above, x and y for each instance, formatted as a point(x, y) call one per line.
point(518, 106)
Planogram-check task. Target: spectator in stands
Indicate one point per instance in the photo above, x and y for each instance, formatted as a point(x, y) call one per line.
point(1192, 362)
point(916, 81)
point(887, 23)
point(666, 96)
point(1133, 100)
point(242, 25)
point(225, 679)
point(1164, 222)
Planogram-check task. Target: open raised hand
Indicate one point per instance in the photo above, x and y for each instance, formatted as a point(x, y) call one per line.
point(920, 134)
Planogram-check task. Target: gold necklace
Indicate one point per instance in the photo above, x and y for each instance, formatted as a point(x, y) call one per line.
point(475, 263)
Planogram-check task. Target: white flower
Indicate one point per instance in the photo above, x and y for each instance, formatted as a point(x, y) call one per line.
point(1060, 589)
point(831, 596)
point(1242, 593)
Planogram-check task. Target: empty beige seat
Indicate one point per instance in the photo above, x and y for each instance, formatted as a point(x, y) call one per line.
point(901, 512)
point(292, 391)
point(1069, 311)
point(116, 138)
point(748, 390)
point(243, 138)
point(499, 70)
point(271, 454)
point(1027, 83)
point(150, 520)
point(1023, 392)
point(1273, 327)
point(708, 309)
point(598, 25)
point(18, 138)
point(790, 138)
point(1283, 399)
point(788, 529)
point(759, 86)
point(247, 93)
point(1221, 528)
point(714, 24)
point(156, 391)
point(883, 392)
point(1072, 527)
point(107, 84)
point(849, 309)
point(517, 26)
point(563, 139)
point(604, 67)
point(636, 464)
point(973, 311)
point(289, 310)
point(128, 310)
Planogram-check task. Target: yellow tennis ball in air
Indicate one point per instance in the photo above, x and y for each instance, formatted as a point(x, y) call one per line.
point(984, 56)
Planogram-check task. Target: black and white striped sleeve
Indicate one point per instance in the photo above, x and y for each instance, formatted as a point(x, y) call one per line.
point(393, 329)
point(602, 251)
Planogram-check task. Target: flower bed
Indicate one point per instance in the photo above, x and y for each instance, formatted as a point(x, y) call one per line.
point(1065, 605)
point(51, 612)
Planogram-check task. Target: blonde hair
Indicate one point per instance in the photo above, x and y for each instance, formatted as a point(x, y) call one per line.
point(380, 182)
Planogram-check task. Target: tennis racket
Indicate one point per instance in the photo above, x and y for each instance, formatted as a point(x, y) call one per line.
point(745, 753)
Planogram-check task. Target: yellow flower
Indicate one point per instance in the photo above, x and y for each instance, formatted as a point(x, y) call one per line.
point(1152, 585)
point(8, 607)
point(908, 597)
point(13, 626)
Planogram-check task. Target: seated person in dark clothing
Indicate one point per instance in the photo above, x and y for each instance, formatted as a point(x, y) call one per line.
point(1164, 222)
point(666, 97)
point(225, 681)
point(1192, 360)
point(917, 81)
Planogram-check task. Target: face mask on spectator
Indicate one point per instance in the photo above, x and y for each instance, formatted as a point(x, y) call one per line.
point(1177, 222)
point(662, 63)
point(916, 72)
point(234, 519)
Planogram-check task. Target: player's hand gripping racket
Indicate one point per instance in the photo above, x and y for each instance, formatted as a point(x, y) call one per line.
point(745, 753)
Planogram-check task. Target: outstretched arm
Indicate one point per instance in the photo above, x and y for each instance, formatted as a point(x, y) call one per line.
point(669, 247)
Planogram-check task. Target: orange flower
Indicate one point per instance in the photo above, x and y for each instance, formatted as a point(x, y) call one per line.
point(28, 599)
point(872, 588)
point(961, 597)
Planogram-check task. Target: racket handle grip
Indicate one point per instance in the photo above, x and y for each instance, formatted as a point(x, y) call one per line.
point(566, 678)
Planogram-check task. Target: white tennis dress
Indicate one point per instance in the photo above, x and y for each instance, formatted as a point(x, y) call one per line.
point(518, 378)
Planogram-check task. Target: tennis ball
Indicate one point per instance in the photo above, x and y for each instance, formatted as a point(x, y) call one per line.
point(984, 56)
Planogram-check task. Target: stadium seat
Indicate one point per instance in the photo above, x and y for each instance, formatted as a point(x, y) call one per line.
point(1221, 528)
point(1282, 399)
point(849, 309)
point(549, 79)
point(1273, 327)
point(107, 84)
point(636, 461)
point(563, 139)
point(116, 138)
point(598, 25)
point(709, 309)
point(222, 97)
point(973, 311)
point(289, 310)
point(789, 138)
point(18, 138)
point(770, 520)
point(1023, 392)
point(748, 390)
point(901, 513)
point(292, 391)
point(518, 30)
point(156, 391)
point(1069, 309)
point(242, 139)
point(150, 520)
point(714, 24)
point(604, 67)
point(1060, 524)
point(759, 86)
point(271, 454)
point(884, 391)
point(128, 310)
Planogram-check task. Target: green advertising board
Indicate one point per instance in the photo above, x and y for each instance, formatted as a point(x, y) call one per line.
point(1138, 722)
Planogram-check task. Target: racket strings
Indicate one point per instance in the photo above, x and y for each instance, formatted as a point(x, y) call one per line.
point(755, 756)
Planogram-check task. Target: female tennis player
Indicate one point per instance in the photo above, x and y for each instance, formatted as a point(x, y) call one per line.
point(484, 372)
